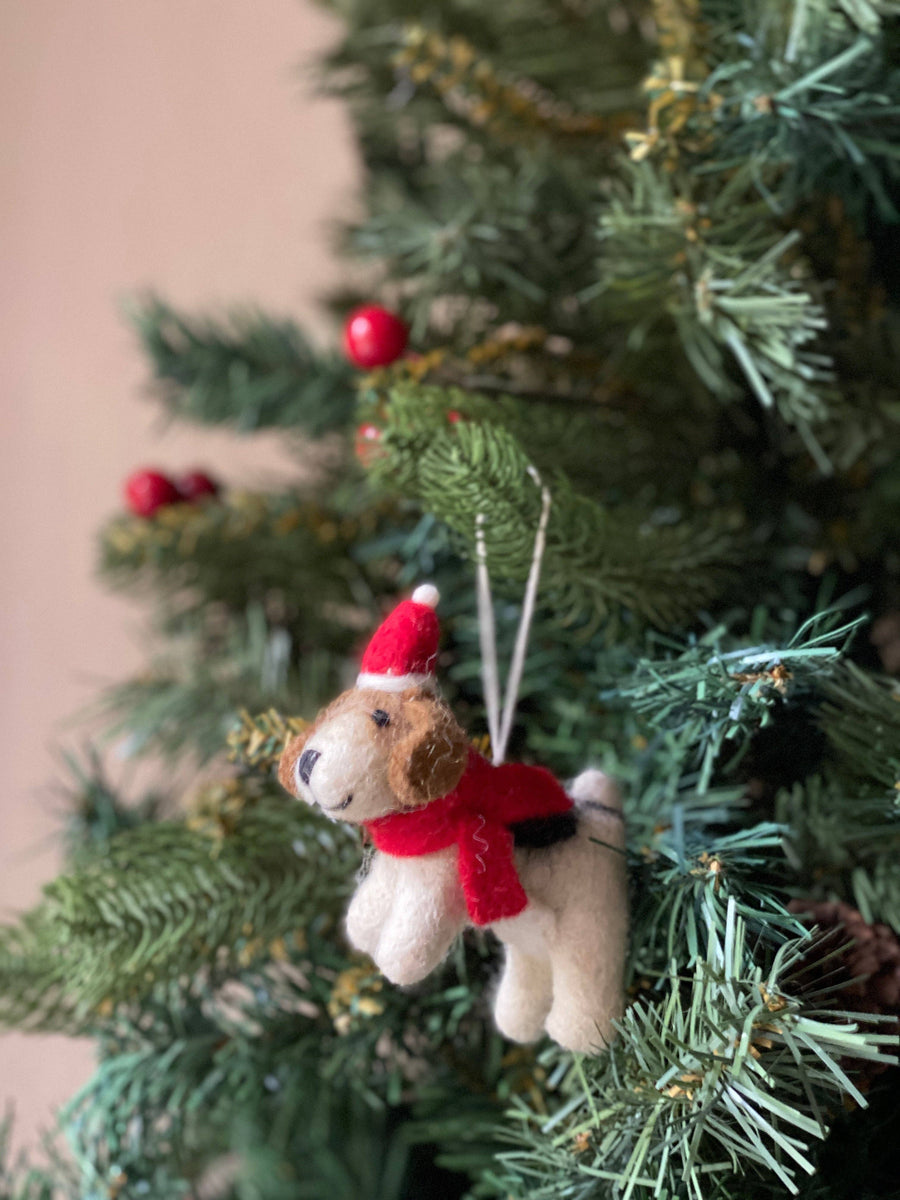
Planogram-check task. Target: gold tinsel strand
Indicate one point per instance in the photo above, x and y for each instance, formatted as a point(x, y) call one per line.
point(777, 677)
point(355, 996)
point(474, 88)
point(179, 527)
point(259, 740)
point(423, 368)
point(215, 809)
point(502, 348)
point(674, 83)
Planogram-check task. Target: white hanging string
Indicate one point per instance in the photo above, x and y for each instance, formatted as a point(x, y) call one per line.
point(487, 635)
point(521, 647)
point(500, 723)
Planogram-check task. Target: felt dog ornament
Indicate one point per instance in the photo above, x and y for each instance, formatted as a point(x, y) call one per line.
point(461, 841)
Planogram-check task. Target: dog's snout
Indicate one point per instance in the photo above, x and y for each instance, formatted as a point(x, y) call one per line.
point(307, 761)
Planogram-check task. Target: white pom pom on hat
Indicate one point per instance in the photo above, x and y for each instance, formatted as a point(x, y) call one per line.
point(403, 649)
point(426, 593)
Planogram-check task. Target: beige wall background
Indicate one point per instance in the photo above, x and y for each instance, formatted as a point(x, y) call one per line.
point(166, 143)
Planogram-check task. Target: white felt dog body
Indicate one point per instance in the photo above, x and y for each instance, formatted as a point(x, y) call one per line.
point(564, 953)
point(376, 753)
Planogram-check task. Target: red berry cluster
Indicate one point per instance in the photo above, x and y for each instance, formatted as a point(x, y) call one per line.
point(149, 490)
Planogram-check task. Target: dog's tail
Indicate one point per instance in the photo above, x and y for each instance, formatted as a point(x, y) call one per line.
point(596, 794)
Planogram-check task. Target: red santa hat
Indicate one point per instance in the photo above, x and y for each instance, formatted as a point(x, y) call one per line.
point(403, 649)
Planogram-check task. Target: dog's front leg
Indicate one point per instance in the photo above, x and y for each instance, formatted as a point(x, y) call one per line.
point(371, 905)
point(426, 914)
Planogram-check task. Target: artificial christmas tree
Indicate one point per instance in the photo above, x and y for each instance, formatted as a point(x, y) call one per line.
point(646, 256)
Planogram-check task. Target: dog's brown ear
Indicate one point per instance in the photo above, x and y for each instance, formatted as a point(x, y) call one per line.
point(428, 761)
point(288, 760)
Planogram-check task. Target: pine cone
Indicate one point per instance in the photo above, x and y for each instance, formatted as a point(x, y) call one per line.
point(858, 963)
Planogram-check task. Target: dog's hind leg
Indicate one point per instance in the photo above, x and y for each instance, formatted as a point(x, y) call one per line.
point(524, 996)
point(525, 992)
point(589, 942)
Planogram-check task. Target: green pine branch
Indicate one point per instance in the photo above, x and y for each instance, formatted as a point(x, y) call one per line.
point(598, 559)
point(484, 238)
point(576, 52)
point(844, 841)
point(844, 824)
point(94, 810)
point(567, 421)
point(175, 898)
point(245, 549)
point(33, 980)
point(808, 94)
point(716, 695)
point(192, 695)
point(716, 269)
point(728, 1076)
point(247, 370)
point(286, 1047)
point(687, 880)
point(474, 89)
point(861, 720)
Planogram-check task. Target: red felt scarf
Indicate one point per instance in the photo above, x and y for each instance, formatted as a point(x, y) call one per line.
point(476, 817)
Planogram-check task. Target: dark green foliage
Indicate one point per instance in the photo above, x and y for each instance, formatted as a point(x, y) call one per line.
point(246, 549)
point(189, 700)
point(284, 1077)
point(859, 1161)
point(724, 1070)
point(596, 559)
point(686, 879)
point(861, 720)
point(561, 47)
point(845, 841)
point(248, 370)
point(150, 906)
point(590, 56)
point(94, 810)
point(829, 79)
point(484, 236)
point(513, 231)
point(726, 278)
point(712, 696)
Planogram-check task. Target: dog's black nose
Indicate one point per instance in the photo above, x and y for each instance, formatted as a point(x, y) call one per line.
point(308, 760)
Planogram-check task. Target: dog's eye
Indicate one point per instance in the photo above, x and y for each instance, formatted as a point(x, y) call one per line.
point(381, 718)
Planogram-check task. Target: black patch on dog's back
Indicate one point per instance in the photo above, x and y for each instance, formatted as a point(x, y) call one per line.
point(538, 832)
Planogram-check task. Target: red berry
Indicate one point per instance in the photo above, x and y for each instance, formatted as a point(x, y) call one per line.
point(196, 484)
point(453, 417)
point(374, 336)
point(366, 445)
point(146, 491)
